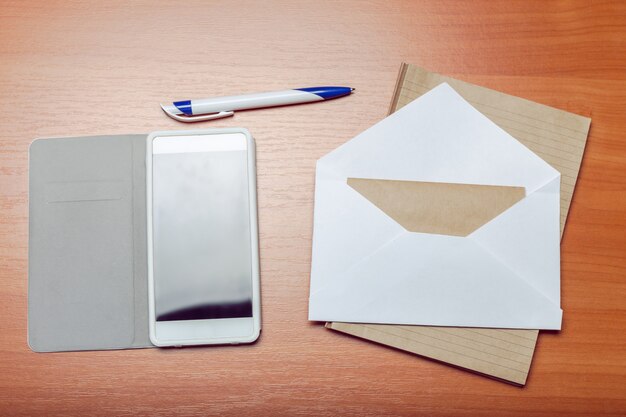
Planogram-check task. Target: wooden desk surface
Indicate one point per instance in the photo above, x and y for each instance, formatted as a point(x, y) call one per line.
point(74, 68)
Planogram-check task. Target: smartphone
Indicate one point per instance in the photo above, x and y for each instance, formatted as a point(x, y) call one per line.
point(203, 257)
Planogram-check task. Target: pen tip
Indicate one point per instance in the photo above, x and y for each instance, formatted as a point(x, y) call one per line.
point(352, 89)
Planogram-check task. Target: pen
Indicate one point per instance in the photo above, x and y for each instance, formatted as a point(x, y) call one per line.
point(215, 108)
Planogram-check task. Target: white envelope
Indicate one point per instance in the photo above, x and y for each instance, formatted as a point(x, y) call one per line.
point(367, 267)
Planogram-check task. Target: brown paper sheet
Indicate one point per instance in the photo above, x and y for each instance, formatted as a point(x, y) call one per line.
point(559, 138)
point(437, 207)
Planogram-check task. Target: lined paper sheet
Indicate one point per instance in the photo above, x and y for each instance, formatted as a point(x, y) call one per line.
point(504, 354)
point(557, 136)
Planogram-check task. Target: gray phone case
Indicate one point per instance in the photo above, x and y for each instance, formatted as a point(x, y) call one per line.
point(87, 280)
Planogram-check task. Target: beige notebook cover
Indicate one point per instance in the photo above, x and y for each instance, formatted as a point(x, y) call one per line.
point(556, 136)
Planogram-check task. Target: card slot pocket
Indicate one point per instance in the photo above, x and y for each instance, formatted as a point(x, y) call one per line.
point(87, 296)
point(84, 191)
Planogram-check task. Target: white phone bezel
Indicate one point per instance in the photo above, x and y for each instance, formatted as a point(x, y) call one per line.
point(212, 331)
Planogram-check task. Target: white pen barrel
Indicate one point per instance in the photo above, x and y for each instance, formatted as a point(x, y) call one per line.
point(252, 101)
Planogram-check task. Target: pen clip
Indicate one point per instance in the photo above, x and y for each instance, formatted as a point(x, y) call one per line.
point(199, 118)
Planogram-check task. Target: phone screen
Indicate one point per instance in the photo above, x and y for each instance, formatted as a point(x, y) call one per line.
point(201, 233)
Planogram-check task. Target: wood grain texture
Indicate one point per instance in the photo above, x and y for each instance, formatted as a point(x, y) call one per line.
point(101, 67)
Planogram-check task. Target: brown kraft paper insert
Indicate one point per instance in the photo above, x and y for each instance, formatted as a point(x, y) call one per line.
point(439, 208)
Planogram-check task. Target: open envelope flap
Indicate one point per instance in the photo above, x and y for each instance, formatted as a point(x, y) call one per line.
point(439, 137)
point(434, 280)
